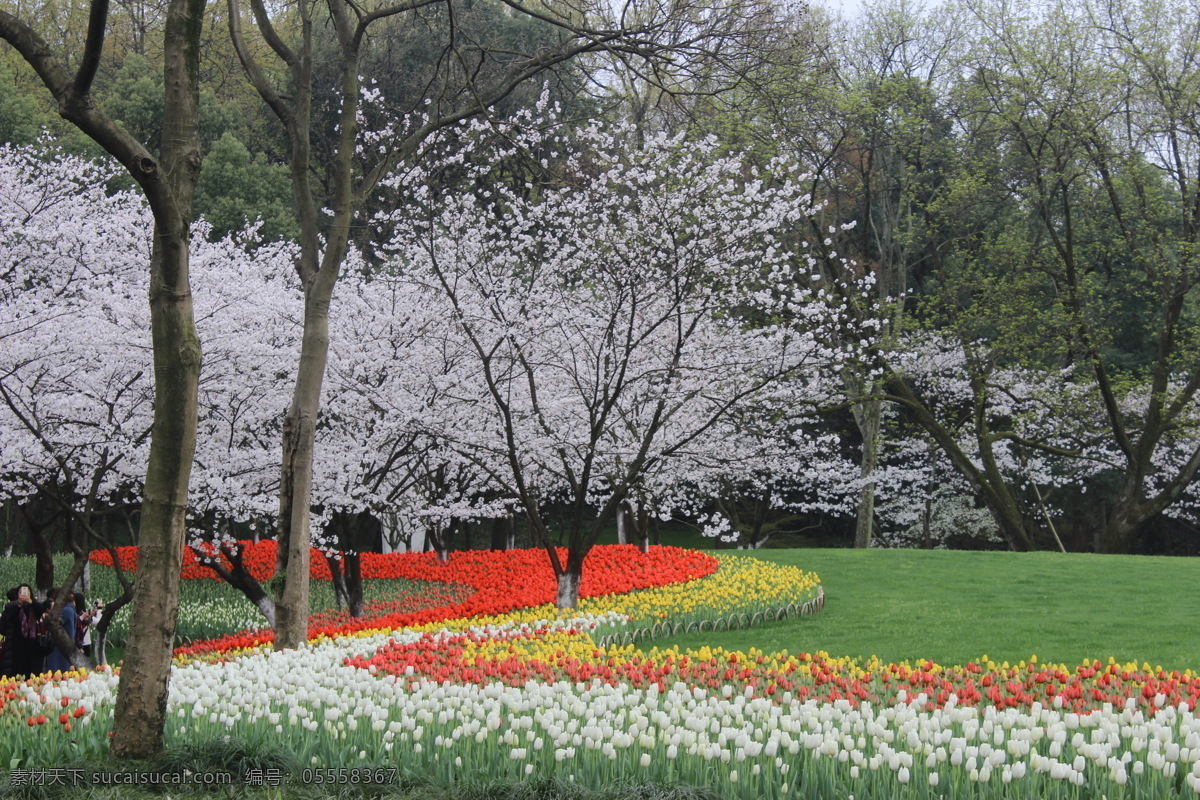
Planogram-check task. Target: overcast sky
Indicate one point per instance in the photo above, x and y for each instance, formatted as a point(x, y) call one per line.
point(847, 8)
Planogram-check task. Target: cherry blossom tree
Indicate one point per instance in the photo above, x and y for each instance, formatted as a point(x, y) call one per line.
point(75, 387)
point(475, 70)
point(398, 427)
point(772, 458)
point(616, 317)
point(968, 434)
point(76, 366)
point(248, 307)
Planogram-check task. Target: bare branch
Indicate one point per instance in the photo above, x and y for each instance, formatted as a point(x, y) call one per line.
point(97, 23)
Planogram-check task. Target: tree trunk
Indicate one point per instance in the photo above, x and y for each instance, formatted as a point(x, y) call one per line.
point(387, 541)
point(437, 539)
point(441, 544)
point(643, 530)
point(99, 648)
point(133, 529)
point(100, 630)
point(319, 266)
point(568, 585)
point(39, 542)
point(868, 424)
point(63, 641)
point(762, 507)
point(142, 695)
point(295, 493)
point(1120, 532)
point(1131, 508)
point(10, 526)
point(101, 625)
point(501, 532)
point(357, 533)
point(237, 576)
point(624, 523)
point(926, 525)
point(354, 584)
point(169, 183)
point(43, 561)
point(1013, 525)
point(141, 704)
point(989, 483)
point(340, 596)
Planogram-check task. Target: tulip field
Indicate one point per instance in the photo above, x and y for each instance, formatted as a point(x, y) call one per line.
point(484, 680)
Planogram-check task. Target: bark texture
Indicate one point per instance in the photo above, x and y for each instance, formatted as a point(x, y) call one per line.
point(868, 420)
point(568, 587)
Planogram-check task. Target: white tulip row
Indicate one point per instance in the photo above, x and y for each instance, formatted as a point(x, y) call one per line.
point(336, 715)
point(206, 618)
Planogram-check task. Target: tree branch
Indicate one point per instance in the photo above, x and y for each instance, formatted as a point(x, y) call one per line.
point(93, 48)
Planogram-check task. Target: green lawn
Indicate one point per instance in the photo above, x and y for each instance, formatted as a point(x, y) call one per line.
point(956, 606)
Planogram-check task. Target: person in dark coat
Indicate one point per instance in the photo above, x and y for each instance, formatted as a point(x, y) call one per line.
point(19, 626)
point(56, 661)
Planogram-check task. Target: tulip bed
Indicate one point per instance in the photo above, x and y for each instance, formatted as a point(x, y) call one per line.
point(502, 582)
point(531, 692)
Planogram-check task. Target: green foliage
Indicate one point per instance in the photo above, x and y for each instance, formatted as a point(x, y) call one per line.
point(236, 188)
point(551, 789)
point(231, 755)
point(218, 118)
point(135, 100)
point(236, 758)
point(21, 118)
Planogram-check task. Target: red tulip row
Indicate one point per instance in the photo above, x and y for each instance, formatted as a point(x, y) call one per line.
point(516, 658)
point(503, 581)
point(427, 595)
point(257, 557)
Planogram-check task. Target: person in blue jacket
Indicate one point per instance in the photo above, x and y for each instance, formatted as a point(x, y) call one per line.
point(56, 660)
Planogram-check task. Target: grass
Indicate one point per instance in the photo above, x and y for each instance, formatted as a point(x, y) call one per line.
point(956, 606)
point(293, 788)
point(236, 759)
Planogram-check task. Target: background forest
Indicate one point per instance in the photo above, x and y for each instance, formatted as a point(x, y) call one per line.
point(1000, 202)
